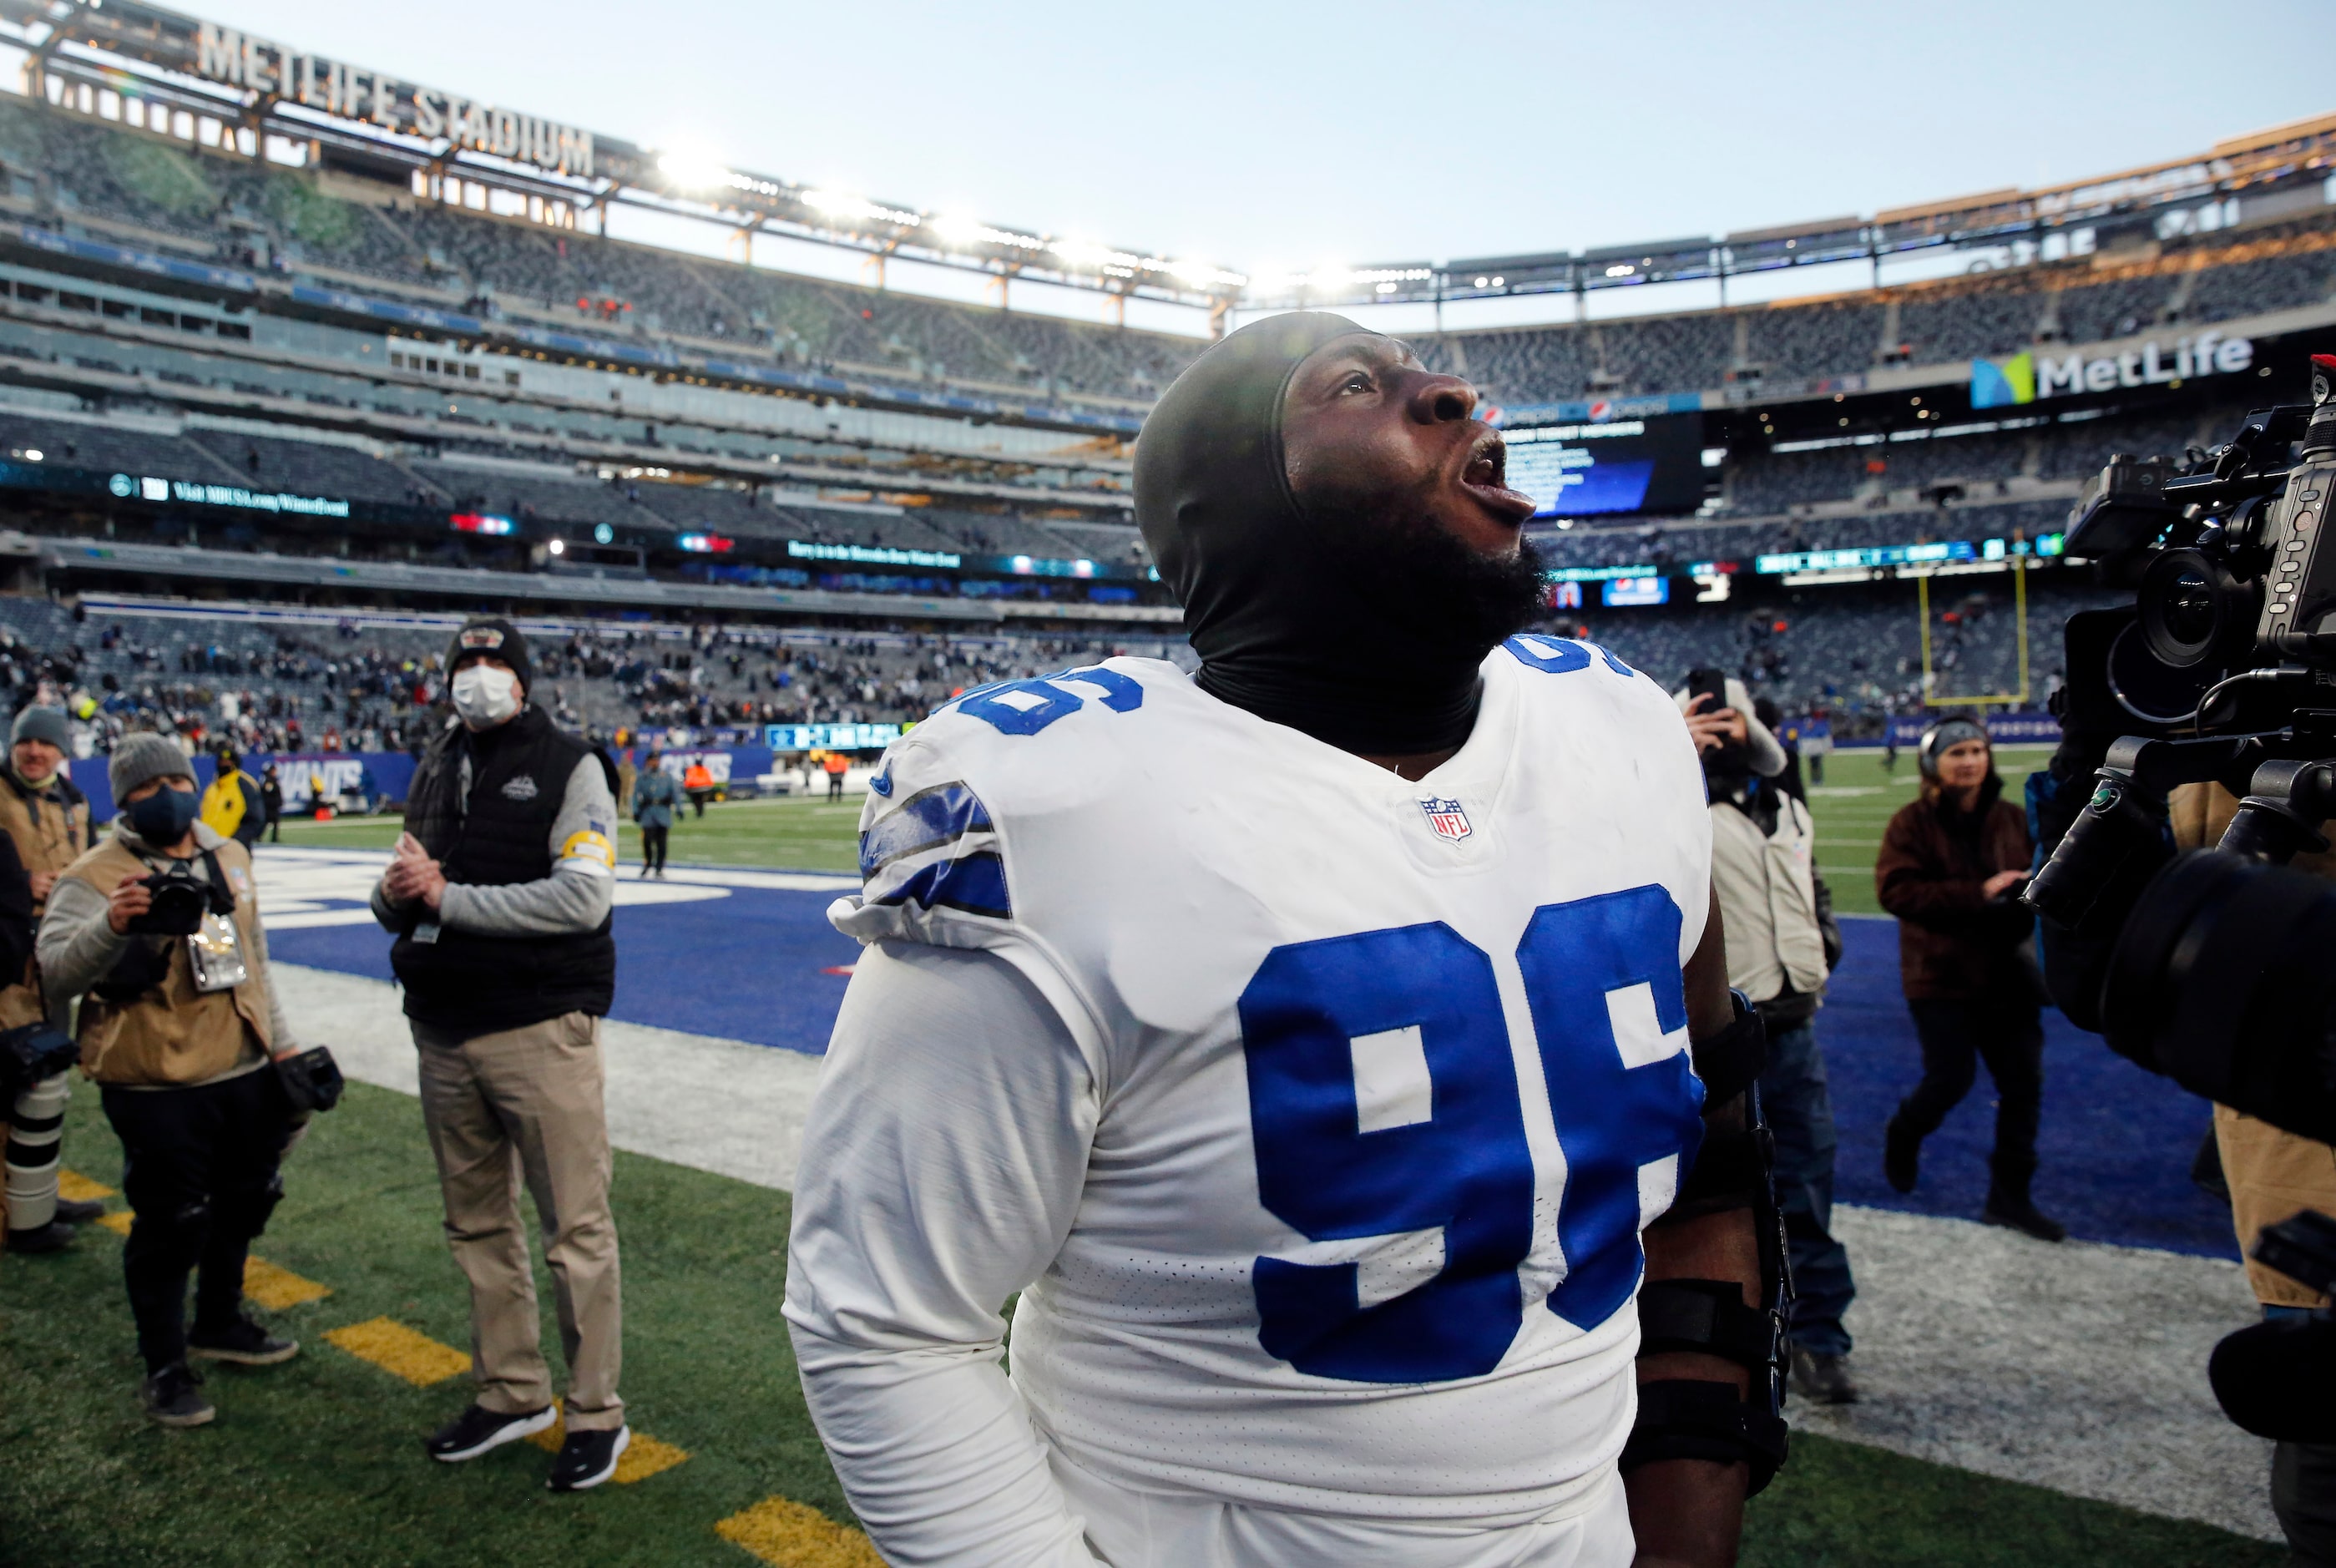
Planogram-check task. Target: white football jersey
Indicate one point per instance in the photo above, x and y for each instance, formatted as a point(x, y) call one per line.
point(1392, 1074)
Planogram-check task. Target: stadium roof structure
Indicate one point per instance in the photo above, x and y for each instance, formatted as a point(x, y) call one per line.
point(237, 92)
point(2293, 157)
point(254, 89)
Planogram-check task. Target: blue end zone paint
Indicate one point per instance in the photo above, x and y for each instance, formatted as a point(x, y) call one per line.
point(742, 967)
point(2116, 1145)
point(2114, 1150)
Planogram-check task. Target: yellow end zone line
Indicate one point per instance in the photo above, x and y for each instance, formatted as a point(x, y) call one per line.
point(789, 1534)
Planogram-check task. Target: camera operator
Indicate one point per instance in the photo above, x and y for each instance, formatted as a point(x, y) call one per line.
point(178, 1031)
point(1951, 868)
point(1777, 917)
point(2272, 1176)
point(47, 819)
point(499, 892)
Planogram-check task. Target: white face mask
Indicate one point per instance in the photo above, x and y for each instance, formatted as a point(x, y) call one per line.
point(485, 696)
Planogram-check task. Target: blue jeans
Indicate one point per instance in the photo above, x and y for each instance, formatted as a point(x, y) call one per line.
point(1799, 1110)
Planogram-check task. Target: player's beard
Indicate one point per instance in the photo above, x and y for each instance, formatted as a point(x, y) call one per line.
point(1416, 585)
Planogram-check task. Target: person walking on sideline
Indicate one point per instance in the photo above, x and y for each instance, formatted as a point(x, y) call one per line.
point(499, 892)
point(698, 780)
point(837, 765)
point(1951, 868)
point(655, 795)
point(271, 801)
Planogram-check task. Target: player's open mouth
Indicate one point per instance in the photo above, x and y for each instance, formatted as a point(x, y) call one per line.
point(1485, 478)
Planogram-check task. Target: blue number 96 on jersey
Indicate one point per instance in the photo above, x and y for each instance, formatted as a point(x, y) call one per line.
point(1385, 1103)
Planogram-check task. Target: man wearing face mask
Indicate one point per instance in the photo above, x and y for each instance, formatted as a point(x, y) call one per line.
point(499, 892)
point(1333, 1050)
point(176, 1027)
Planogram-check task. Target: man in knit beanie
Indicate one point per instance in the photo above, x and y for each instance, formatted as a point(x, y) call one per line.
point(180, 1036)
point(46, 819)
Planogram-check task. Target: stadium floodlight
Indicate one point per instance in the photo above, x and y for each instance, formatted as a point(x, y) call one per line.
point(956, 229)
point(693, 169)
point(558, 547)
point(841, 205)
point(1083, 253)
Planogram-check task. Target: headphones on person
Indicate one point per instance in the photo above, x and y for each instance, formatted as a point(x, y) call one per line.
point(1945, 736)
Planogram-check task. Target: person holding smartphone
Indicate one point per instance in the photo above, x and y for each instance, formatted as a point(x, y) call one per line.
point(1953, 863)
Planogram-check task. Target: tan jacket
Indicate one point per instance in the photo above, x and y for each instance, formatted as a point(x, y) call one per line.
point(171, 1035)
point(50, 836)
point(1768, 900)
point(2273, 1175)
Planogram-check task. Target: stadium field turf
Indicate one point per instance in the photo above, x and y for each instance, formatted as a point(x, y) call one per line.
point(800, 835)
point(319, 1460)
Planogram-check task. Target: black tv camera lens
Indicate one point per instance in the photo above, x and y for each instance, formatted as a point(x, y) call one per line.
point(2196, 612)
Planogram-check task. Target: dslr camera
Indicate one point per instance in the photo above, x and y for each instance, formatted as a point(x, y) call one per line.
point(2216, 967)
point(182, 896)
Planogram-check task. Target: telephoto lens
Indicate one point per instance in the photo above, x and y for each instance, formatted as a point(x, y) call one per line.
point(2222, 981)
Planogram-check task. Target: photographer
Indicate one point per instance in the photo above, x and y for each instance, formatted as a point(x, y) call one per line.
point(47, 821)
point(1777, 917)
point(2272, 1176)
point(178, 1031)
point(500, 893)
point(1951, 868)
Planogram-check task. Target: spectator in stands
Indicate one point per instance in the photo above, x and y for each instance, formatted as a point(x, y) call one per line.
point(47, 821)
point(1782, 943)
point(2273, 1175)
point(655, 795)
point(181, 1049)
point(698, 781)
point(271, 801)
point(837, 764)
point(1951, 865)
point(231, 806)
point(499, 891)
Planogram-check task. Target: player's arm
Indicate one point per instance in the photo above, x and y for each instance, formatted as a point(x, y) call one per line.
point(941, 1166)
point(1687, 1509)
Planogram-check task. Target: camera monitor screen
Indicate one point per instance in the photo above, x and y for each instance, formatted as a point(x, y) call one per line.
point(1621, 465)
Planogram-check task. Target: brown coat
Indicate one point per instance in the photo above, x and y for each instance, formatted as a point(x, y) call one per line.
point(173, 1034)
point(50, 836)
point(1953, 944)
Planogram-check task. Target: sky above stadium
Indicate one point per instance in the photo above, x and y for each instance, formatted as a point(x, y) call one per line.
point(1256, 135)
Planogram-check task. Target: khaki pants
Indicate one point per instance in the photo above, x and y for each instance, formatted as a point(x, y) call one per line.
point(526, 1104)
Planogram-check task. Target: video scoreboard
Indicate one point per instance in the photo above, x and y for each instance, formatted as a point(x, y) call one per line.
point(1601, 467)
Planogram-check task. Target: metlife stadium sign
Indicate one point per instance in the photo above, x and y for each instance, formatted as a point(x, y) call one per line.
point(2033, 375)
point(349, 91)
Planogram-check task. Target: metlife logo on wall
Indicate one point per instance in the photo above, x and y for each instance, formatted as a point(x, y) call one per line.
point(2032, 377)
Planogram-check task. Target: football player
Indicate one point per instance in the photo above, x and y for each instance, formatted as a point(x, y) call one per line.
point(1311, 1043)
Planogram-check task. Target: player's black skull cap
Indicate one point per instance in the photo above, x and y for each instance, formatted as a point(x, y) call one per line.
point(1276, 634)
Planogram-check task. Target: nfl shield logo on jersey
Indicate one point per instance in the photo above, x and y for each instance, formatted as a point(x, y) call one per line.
point(1446, 817)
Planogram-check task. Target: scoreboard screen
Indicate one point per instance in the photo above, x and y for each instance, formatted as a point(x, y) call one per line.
point(1621, 465)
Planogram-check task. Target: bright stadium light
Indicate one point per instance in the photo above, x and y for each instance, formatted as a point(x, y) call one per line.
point(839, 204)
point(692, 168)
point(1081, 252)
point(954, 228)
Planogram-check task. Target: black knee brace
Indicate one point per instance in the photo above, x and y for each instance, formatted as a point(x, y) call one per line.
point(1688, 1419)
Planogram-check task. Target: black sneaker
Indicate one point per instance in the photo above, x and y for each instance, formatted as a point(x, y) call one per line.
point(77, 1212)
point(2024, 1217)
point(476, 1430)
point(53, 1237)
point(1823, 1379)
point(171, 1399)
point(244, 1342)
point(1902, 1157)
point(587, 1458)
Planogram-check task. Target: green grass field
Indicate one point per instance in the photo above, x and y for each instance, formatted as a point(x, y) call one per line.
point(319, 1460)
point(803, 835)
